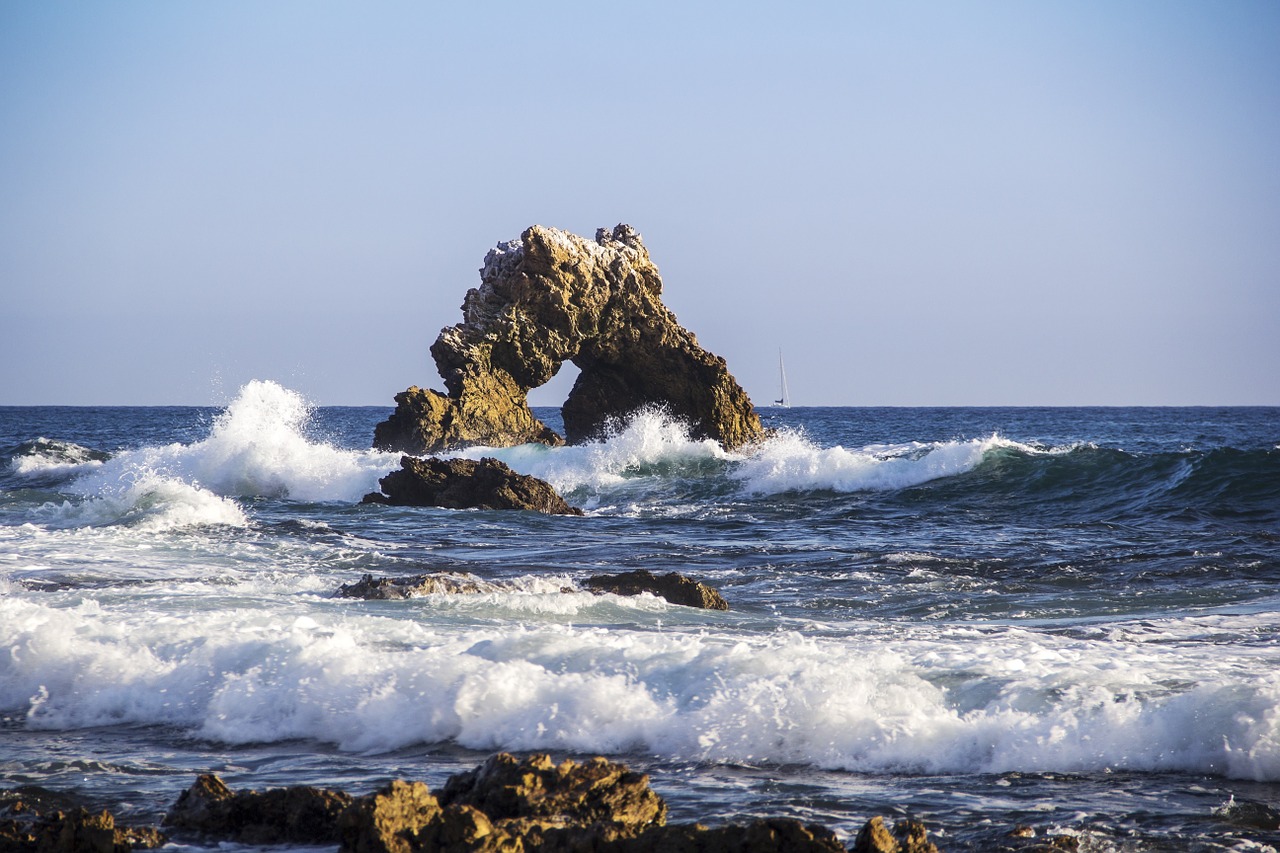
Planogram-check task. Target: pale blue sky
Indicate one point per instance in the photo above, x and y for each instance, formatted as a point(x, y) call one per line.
point(1006, 203)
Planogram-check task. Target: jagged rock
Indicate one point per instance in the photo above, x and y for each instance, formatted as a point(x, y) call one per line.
point(389, 819)
point(391, 589)
point(467, 484)
point(673, 586)
point(41, 821)
point(553, 297)
point(33, 820)
point(599, 791)
point(908, 836)
point(293, 815)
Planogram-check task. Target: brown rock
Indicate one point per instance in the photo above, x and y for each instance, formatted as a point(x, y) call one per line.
point(389, 819)
point(673, 586)
point(293, 815)
point(908, 836)
point(553, 297)
point(599, 791)
point(467, 484)
point(36, 820)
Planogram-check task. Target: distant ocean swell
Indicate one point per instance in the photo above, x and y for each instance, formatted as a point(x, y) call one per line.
point(932, 701)
point(258, 448)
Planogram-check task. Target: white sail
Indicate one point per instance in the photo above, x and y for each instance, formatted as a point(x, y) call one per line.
point(784, 399)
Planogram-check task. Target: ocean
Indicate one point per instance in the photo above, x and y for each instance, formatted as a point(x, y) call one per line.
point(1066, 619)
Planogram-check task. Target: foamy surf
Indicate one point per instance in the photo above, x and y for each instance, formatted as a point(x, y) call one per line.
point(651, 447)
point(257, 447)
point(930, 703)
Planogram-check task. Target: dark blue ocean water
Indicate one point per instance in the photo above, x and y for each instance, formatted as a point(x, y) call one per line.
point(1059, 618)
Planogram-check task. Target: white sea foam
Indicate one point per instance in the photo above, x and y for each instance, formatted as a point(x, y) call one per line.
point(256, 448)
point(930, 701)
point(790, 462)
point(650, 443)
point(653, 445)
point(46, 458)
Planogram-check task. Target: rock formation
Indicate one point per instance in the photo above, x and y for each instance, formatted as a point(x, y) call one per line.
point(552, 297)
point(294, 815)
point(467, 484)
point(506, 805)
point(672, 586)
point(34, 820)
point(908, 836)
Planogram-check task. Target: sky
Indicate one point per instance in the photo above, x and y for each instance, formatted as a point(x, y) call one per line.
point(1065, 202)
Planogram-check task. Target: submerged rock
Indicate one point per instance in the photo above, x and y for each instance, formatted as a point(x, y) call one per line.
point(413, 586)
point(467, 484)
point(673, 586)
point(552, 297)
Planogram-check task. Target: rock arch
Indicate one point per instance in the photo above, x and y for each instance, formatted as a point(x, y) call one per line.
point(552, 297)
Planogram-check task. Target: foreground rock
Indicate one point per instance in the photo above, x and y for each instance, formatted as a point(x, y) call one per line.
point(467, 484)
point(507, 805)
point(674, 587)
point(295, 815)
point(553, 297)
point(908, 836)
point(33, 820)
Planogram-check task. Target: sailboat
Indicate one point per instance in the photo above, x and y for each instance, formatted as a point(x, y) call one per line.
point(785, 400)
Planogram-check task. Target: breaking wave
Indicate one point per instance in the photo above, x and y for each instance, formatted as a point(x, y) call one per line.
point(935, 700)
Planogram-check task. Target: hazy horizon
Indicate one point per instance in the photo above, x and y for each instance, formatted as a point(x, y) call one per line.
point(920, 204)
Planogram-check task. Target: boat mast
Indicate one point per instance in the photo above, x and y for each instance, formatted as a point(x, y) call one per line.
point(782, 378)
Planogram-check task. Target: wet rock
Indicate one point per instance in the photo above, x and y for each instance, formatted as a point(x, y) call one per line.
point(598, 791)
point(413, 586)
point(293, 815)
point(553, 297)
point(1249, 813)
point(467, 484)
point(908, 836)
point(389, 819)
point(673, 586)
point(34, 820)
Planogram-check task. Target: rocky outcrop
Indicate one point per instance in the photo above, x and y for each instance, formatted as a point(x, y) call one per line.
point(294, 815)
point(506, 805)
point(33, 820)
point(908, 836)
point(552, 297)
point(467, 484)
point(596, 792)
point(673, 586)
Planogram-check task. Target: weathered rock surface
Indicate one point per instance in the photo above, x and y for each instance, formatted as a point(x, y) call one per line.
point(598, 791)
point(552, 297)
point(33, 820)
point(294, 815)
point(673, 586)
point(434, 583)
point(908, 836)
point(467, 484)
